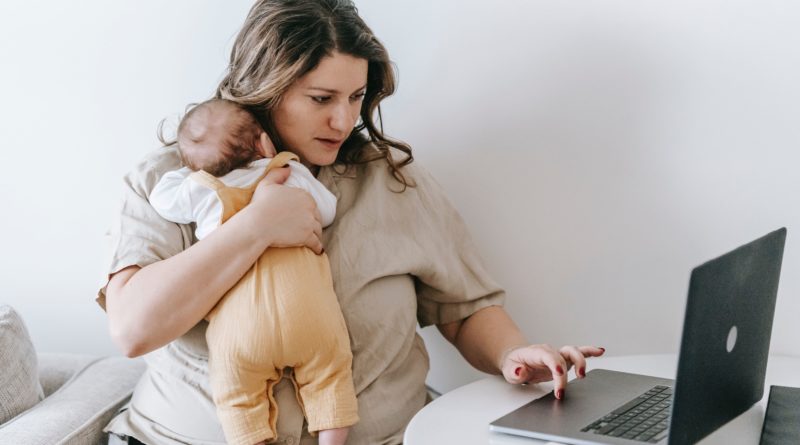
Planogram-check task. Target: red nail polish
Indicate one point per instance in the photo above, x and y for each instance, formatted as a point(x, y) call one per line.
point(559, 370)
point(602, 349)
point(560, 394)
point(582, 371)
point(517, 371)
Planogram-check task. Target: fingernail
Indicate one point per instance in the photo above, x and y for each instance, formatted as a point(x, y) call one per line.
point(518, 370)
point(560, 394)
point(559, 370)
point(602, 349)
point(582, 372)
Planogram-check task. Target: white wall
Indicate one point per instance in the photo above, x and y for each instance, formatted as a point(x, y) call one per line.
point(84, 86)
point(598, 150)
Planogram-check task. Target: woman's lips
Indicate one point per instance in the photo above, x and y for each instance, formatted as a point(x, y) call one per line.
point(332, 144)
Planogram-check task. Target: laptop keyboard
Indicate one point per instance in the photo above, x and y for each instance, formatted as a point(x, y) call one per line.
point(645, 418)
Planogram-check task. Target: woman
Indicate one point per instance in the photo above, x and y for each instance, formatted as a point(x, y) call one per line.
point(314, 74)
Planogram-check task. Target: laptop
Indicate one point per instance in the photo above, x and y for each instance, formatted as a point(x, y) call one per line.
point(721, 367)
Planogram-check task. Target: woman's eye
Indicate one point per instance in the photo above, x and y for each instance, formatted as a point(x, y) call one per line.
point(320, 99)
point(357, 97)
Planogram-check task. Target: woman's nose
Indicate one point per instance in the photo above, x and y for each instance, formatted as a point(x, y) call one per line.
point(341, 118)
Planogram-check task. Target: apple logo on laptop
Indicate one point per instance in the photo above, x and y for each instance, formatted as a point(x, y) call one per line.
point(731, 339)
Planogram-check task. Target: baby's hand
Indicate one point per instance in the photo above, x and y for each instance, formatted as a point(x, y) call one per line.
point(266, 146)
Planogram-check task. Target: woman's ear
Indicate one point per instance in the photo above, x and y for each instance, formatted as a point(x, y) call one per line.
point(266, 146)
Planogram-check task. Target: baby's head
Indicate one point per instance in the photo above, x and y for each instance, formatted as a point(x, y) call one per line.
point(219, 136)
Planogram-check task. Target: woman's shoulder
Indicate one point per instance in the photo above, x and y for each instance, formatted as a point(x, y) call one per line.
point(376, 190)
point(420, 189)
point(413, 172)
point(144, 176)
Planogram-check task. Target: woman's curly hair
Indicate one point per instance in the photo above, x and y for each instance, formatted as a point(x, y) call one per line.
point(282, 40)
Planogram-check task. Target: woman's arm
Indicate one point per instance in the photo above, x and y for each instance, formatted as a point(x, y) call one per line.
point(491, 342)
point(483, 336)
point(151, 306)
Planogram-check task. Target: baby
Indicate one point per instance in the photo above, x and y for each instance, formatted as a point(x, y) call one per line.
point(283, 312)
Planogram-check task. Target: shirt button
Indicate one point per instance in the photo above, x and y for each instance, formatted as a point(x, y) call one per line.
point(290, 441)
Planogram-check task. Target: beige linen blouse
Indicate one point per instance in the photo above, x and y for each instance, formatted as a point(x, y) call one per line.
point(398, 260)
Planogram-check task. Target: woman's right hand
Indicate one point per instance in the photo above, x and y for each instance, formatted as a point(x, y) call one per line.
point(290, 214)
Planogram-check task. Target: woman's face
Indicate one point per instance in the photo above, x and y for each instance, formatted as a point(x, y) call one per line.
point(318, 112)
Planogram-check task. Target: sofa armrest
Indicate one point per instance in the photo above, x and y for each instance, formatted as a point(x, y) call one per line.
point(77, 412)
point(56, 369)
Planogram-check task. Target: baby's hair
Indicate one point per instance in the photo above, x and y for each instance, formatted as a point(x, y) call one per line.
point(237, 146)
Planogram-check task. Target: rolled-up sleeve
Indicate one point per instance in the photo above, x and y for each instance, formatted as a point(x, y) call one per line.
point(139, 236)
point(452, 283)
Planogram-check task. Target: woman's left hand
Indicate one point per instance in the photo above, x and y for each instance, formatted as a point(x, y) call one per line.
point(542, 363)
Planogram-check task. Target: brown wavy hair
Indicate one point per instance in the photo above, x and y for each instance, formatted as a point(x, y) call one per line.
point(282, 40)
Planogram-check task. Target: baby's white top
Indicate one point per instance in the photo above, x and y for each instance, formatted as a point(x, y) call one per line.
point(179, 198)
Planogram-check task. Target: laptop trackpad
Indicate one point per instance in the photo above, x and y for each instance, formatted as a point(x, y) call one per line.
point(586, 401)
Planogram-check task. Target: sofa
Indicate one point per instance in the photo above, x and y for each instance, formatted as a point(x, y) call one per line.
point(57, 398)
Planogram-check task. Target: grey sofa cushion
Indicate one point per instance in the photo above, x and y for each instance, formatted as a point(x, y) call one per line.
point(19, 375)
point(57, 369)
point(76, 412)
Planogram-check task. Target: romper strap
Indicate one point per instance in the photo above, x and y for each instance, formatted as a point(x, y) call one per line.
point(207, 179)
point(278, 161)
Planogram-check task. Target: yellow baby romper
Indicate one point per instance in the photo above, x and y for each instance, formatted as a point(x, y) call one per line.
point(282, 313)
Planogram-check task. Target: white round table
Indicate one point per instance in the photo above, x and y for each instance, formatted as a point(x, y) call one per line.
point(462, 416)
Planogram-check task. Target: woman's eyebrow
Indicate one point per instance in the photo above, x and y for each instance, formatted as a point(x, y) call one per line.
point(333, 91)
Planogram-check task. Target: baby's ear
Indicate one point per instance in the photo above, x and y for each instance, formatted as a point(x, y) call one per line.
point(266, 146)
